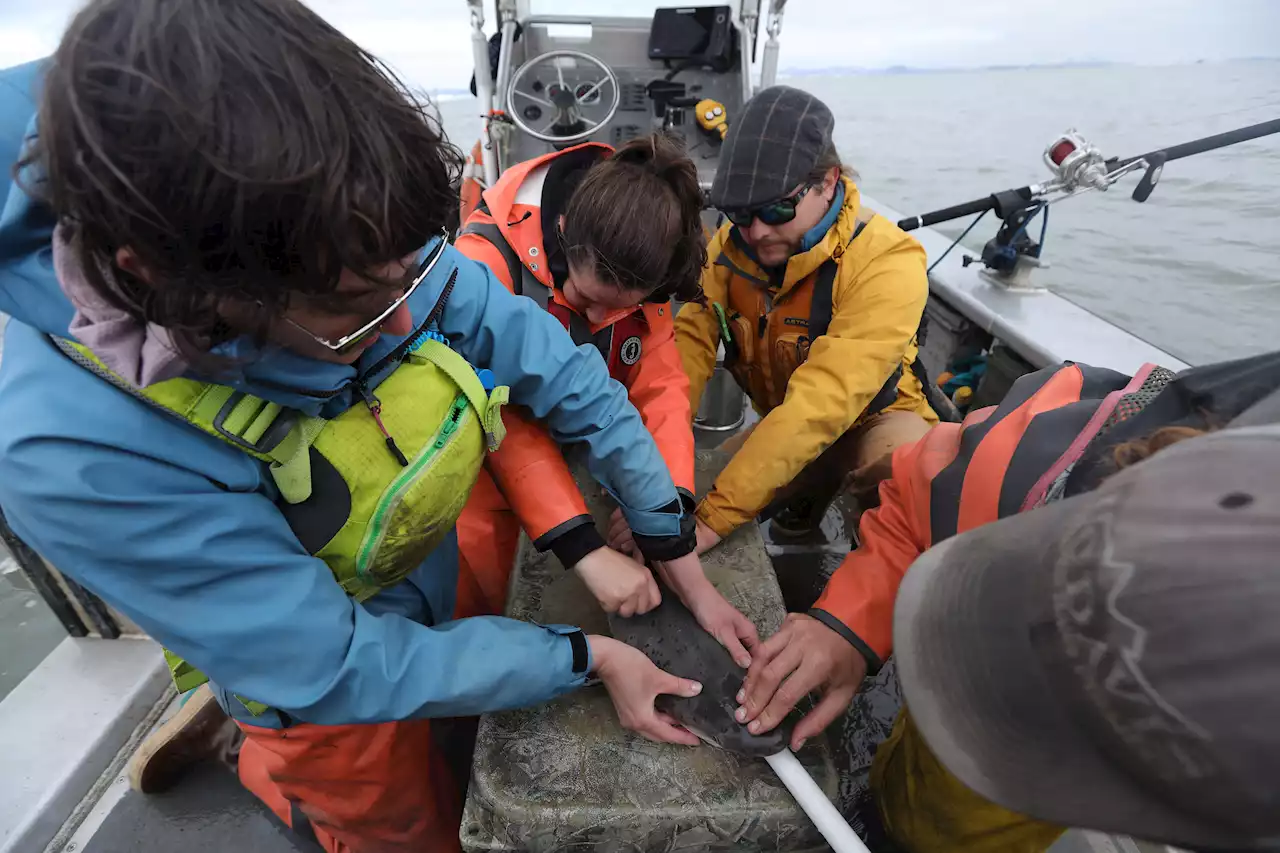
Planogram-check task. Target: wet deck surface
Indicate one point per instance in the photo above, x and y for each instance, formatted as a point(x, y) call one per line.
point(208, 813)
point(28, 629)
point(567, 774)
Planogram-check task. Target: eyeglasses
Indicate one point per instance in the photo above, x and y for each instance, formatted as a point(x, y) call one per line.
point(346, 343)
point(777, 212)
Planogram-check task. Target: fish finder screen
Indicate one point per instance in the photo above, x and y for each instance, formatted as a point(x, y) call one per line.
point(687, 33)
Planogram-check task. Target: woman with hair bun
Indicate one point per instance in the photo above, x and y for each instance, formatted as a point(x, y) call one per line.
point(603, 239)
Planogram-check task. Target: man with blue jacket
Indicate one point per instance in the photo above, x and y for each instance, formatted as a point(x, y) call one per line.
point(244, 405)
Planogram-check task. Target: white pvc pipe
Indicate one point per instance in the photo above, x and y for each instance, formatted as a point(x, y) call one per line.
point(824, 815)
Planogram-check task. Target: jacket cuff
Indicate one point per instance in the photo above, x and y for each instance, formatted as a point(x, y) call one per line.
point(688, 503)
point(580, 662)
point(873, 660)
point(581, 653)
point(572, 540)
point(664, 548)
point(714, 519)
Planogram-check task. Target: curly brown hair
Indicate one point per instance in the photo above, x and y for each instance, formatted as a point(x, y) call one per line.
point(830, 159)
point(1132, 452)
point(635, 220)
point(244, 151)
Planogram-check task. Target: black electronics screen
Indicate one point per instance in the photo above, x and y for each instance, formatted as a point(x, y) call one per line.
point(689, 33)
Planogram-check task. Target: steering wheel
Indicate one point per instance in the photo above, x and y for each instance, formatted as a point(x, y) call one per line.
point(562, 96)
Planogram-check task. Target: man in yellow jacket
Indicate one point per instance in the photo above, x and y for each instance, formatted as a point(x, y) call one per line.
point(817, 301)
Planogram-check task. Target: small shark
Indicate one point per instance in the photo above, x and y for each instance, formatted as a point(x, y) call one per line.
point(672, 638)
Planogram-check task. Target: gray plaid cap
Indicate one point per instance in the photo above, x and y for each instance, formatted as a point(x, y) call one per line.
point(771, 148)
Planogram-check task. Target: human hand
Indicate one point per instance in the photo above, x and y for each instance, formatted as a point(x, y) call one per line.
point(714, 613)
point(620, 584)
point(723, 621)
point(634, 683)
point(619, 536)
point(707, 539)
point(804, 655)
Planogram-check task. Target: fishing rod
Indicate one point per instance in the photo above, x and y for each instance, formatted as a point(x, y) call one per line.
point(1078, 166)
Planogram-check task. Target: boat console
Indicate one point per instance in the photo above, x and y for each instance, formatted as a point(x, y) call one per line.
point(562, 79)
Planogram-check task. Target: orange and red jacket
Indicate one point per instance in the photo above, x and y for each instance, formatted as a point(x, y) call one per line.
point(638, 345)
point(1002, 460)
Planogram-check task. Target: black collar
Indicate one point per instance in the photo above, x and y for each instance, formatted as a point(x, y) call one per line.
point(563, 176)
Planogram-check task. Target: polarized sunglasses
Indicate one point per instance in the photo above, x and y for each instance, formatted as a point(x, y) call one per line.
point(777, 212)
point(346, 343)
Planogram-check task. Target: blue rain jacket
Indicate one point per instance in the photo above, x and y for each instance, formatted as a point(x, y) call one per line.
point(126, 499)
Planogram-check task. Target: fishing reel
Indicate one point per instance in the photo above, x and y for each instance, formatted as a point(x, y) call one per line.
point(1076, 162)
point(1078, 166)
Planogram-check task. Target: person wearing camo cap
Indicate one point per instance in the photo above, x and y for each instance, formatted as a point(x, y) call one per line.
point(1091, 640)
point(1111, 661)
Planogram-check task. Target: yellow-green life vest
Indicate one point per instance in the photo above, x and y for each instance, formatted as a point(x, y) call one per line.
point(343, 487)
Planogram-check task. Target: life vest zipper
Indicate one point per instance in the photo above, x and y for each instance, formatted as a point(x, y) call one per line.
point(375, 408)
point(392, 496)
point(399, 355)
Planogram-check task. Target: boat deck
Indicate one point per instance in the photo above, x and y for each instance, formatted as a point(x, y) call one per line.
point(209, 812)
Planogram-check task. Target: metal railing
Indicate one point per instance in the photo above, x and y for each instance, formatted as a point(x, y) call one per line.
point(81, 612)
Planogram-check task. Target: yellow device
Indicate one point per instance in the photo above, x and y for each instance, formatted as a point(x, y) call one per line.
point(711, 117)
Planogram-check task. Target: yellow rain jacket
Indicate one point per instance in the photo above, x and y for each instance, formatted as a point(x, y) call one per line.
point(809, 390)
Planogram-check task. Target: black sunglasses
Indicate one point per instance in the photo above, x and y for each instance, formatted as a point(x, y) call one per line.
point(777, 212)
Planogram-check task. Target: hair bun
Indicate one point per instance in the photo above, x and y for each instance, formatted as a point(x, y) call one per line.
point(636, 217)
point(661, 153)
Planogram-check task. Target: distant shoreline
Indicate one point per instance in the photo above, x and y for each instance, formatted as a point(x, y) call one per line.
point(898, 70)
point(850, 70)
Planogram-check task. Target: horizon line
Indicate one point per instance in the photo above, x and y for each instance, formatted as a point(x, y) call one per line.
point(837, 70)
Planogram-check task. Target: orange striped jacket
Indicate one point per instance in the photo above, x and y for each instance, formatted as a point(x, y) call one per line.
point(1002, 460)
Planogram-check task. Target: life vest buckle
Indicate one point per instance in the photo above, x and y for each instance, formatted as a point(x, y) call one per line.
point(246, 413)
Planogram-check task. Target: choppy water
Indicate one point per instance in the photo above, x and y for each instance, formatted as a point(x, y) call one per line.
point(1194, 269)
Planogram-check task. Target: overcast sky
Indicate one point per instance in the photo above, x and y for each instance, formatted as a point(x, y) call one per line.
point(427, 40)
